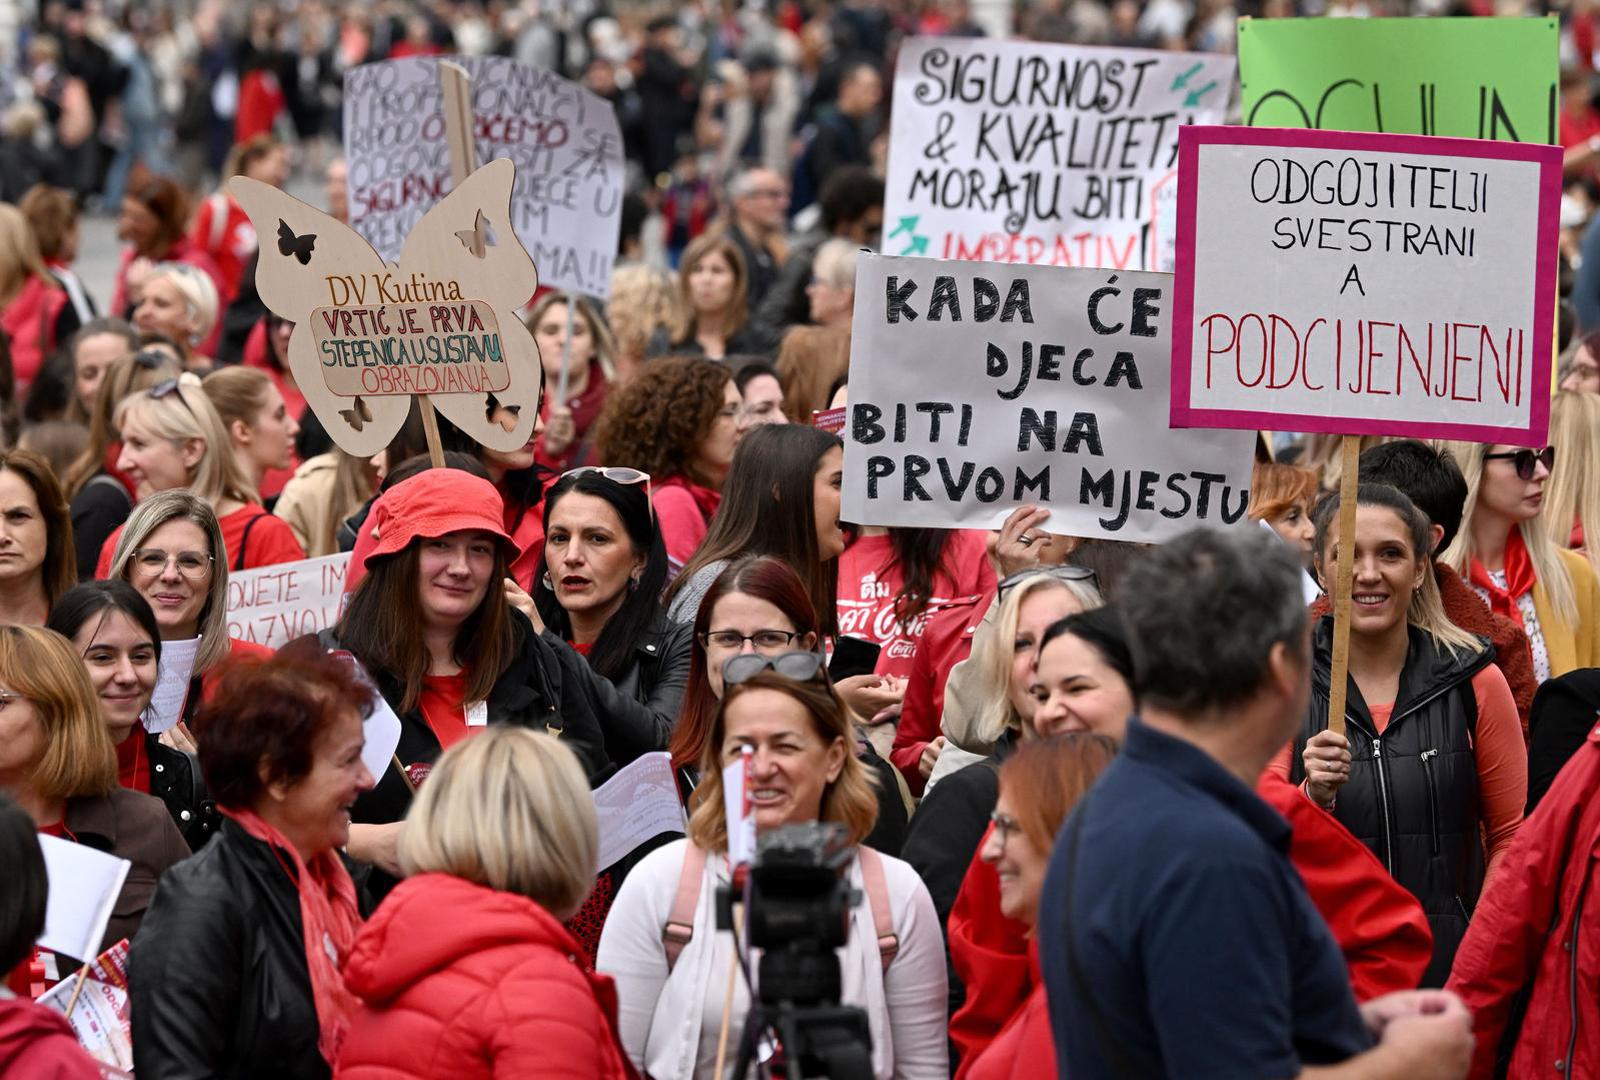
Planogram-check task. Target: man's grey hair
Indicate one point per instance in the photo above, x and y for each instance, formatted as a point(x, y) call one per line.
point(1203, 613)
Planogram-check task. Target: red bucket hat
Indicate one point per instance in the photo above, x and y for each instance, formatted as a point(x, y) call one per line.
point(433, 503)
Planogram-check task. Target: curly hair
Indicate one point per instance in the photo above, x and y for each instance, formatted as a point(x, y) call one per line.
point(656, 422)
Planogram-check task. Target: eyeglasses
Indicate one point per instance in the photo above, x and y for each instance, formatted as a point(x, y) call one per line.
point(191, 564)
point(617, 474)
point(799, 666)
point(1527, 460)
point(1005, 827)
point(761, 639)
point(1064, 572)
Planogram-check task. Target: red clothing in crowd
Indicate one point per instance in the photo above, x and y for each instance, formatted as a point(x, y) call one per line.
point(1379, 926)
point(528, 535)
point(133, 761)
point(870, 577)
point(946, 641)
point(184, 252)
point(256, 355)
point(585, 408)
point(684, 510)
point(270, 541)
point(37, 1042)
point(1024, 1047)
point(261, 99)
point(230, 242)
point(441, 704)
point(463, 981)
point(1535, 929)
point(29, 320)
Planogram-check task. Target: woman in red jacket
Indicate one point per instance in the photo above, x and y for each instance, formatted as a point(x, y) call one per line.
point(465, 970)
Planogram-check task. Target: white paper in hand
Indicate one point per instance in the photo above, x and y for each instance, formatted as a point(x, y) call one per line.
point(84, 884)
point(381, 729)
point(740, 815)
point(172, 685)
point(639, 802)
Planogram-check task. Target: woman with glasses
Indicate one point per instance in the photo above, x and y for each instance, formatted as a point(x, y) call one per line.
point(172, 438)
point(36, 551)
point(100, 496)
point(1431, 771)
point(58, 763)
point(677, 420)
point(661, 943)
point(1505, 552)
point(113, 629)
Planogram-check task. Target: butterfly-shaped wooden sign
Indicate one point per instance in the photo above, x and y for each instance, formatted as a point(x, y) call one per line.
point(443, 323)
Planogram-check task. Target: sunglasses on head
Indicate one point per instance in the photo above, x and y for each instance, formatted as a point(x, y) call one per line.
point(1064, 572)
point(1527, 461)
point(799, 666)
point(617, 474)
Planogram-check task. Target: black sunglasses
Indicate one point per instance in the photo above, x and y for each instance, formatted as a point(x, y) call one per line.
point(1527, 460)
point(1064, 572)
point(799, 666)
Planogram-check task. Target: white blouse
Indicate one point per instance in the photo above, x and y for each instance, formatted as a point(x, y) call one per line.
point(670, 1024)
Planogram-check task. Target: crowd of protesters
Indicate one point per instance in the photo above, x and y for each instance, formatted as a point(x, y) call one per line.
point(1096, 814)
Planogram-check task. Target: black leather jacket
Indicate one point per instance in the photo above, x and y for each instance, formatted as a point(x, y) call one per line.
point(1412, 796)
point(175, 779)
point(638, 708)
point(218, 970)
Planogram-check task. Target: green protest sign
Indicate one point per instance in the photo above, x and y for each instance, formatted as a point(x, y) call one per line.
point(1490, 78)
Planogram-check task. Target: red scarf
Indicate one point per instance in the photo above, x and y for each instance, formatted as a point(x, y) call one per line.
point(329, 919)
point(1520, 578)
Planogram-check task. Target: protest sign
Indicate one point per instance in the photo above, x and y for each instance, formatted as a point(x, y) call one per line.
point(977, 388)
point(273, 605)
point(1364, 284)
point(1011, 151)
point(638, 804)
point(1475, 78)
point(99, 1013)
point(566, 205)
point(173, 675)
point(84, 885)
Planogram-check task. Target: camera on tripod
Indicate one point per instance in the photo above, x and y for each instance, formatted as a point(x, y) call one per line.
point(799, 913)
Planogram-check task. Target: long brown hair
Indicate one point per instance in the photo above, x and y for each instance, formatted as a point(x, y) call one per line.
point(79, 757)
point(380, 627)
point(736, 313)
point(60, 569)
point(850, 800)
point(1046, 778)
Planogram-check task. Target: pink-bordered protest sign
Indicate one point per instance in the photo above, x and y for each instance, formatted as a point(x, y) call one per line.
point(1365, 284)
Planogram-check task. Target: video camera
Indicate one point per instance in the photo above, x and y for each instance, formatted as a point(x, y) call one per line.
point(798, 914)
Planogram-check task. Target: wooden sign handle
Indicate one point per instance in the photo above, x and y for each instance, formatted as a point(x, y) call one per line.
point(1349, 476)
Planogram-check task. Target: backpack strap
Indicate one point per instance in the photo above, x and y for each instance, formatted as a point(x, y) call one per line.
point(878, 896)
point(244, 540)
point(680, 920)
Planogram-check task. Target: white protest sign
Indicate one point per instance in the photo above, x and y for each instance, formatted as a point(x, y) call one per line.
point(638, 803)
point(273, 605)
point(381, 729)
point(172, 684)
point(737, 809)
point(977, 388)
point(1061, 155)
point(567, 203)
point(84, 884)
point(1354, 283)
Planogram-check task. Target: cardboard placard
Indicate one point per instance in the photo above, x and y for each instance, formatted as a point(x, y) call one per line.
point(977, 388)
point(1473, 78)
point(1058, 155)
point(442, 323)
point(1354, 283)
point(273, 605)
point(566, 205)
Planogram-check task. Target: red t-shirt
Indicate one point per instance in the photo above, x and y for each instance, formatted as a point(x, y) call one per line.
point(869, 578)
point(529, 538)
point(133, 763)
point(235, 240)
point(270, 541)
point(442, 707)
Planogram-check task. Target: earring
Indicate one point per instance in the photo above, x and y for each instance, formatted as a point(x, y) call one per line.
point(547, 583)
point(633, 583)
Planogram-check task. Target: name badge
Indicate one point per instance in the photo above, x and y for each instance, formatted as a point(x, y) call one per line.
point(478, 714)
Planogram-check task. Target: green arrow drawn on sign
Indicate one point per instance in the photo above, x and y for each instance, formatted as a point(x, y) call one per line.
point(907, 225)
point(918, 246)
point(1195, 95)
point(1183, 80)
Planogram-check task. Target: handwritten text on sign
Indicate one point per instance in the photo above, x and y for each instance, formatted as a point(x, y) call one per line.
point(567, 201)
point(273, 605)
point(1033, 153)
point(1365, 284)
point(443, 348)
point(1051, 385)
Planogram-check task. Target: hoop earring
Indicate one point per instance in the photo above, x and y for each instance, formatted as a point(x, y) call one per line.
point(547, 583)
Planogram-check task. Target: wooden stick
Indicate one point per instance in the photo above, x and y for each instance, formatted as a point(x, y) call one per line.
point(430, 428)
point(727, 996)
point(395, 757)
point(83, 976)
point(1349, 476)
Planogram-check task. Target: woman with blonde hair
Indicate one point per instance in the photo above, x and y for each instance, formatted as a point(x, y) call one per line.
point(712, 281)
point(1572, 496)
point(644, 300)
point(810, 361)
point(1282, 496)
point(179, 302)
point(832, 292)
point(661, 943)
point(100, 496)
point(466, 968)
point(58, 762)
point(173, 438)
point(35, 311)
point(1505, 551)
point(589, 375)
point(260, 427)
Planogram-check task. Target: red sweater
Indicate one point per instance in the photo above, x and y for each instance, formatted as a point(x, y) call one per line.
point(946, 642)
point(30, 321)
point(37, 1043)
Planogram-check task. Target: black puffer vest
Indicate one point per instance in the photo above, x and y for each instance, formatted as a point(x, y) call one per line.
point(1412, 796)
